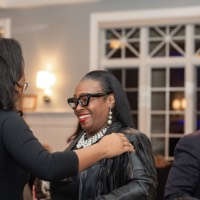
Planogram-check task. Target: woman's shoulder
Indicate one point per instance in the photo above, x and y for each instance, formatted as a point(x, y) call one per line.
point(191, 138)
point(194, 135)
point(5, 115)
point(136, 137)
point(132, 132)
point(10, 119)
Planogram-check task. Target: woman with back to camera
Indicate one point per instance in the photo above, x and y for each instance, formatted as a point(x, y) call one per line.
point(101, 107)
point(20, 152)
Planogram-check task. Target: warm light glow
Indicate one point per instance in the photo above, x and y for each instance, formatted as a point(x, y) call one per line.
point(48, 92)
point(115, 44)
point(183, 104)
point(176, 104)
point(179, 104)
point(45, 79)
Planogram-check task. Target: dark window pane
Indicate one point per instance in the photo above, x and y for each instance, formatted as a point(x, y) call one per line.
point(197, 45)
point(180, 32)
point(177, 101)
point(111, 35)
point(133, 100)
point(158, 101)
point(127, 30)
point(153, 32)
point(197, 30)
point(135, 46)
point(158, 78)
point(177, 77)
point(108, 49)
point(174, 52)
point(176, 124)
point(116, 54)
point(161, 52)
point(131, 78)
point(158, 124)
point(198, 101)
point(134, 34)
point(129, 53)
point(172, 144)
point(198, 77)
point(158, 146)
point(198, 122)
point(117, 73)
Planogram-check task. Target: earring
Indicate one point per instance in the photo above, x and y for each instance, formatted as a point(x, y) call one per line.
point(110, 117)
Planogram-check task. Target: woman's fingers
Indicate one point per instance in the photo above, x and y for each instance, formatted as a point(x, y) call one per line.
point(126, 144)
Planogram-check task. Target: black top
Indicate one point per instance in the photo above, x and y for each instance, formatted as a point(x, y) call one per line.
point(21, 154)
point(67, 189)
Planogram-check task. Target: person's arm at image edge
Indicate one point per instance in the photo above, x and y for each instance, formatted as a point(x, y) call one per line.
point(27, 151)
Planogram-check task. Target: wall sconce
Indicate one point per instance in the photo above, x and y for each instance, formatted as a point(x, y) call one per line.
point(45, 80)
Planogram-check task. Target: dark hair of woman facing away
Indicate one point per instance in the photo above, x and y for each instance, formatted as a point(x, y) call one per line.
point(11, 71)
point(110, 84)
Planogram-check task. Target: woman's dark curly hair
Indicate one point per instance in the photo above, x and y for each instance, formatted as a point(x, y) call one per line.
point(11, 71)
point(110, 84)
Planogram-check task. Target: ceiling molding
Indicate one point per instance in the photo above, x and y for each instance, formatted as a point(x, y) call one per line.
point(6, 4)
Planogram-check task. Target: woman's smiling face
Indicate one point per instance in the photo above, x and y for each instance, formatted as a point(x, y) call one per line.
point(94, 116)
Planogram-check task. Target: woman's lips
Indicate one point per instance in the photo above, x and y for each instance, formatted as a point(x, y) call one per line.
point(83, 118)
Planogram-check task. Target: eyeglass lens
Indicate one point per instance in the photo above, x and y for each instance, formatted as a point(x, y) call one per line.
point(83, 101)
point(25, 86)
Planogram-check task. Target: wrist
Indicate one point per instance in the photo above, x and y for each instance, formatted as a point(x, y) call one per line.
point(101, 150)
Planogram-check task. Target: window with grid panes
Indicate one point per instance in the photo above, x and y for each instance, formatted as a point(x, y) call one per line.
point(167, 108)
point(122, 43)
point(167, 41)
point(160, 53)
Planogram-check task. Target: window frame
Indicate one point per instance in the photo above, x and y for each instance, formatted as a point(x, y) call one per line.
point(144, 19)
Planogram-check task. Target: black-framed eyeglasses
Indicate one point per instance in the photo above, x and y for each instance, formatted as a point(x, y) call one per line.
point(84, 99)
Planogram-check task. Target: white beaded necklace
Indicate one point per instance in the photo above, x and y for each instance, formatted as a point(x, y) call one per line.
point(84, 142)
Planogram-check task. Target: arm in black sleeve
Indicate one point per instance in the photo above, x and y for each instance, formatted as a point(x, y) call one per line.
point(28, 152)
point(184, 174)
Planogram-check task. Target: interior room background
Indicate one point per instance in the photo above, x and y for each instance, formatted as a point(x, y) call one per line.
point(58, 38)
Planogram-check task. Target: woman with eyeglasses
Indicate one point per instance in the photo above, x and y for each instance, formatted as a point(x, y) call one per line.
point(20, 151)
point(101, 106)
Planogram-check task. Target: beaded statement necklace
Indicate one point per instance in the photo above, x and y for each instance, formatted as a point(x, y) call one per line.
point(85, 142)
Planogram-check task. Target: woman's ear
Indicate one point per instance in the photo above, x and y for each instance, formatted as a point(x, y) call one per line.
point(111, 99)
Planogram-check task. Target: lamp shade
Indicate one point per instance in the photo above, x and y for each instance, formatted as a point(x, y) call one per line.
point(45, 79)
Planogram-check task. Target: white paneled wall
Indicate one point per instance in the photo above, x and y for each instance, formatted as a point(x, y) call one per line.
point(52, 128)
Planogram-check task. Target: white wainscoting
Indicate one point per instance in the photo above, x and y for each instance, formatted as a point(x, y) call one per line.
point(52, 128)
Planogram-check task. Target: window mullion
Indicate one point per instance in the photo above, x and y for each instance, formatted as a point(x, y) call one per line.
point(189, 80)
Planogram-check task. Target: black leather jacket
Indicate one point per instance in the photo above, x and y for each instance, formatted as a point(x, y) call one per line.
point(130, 176)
